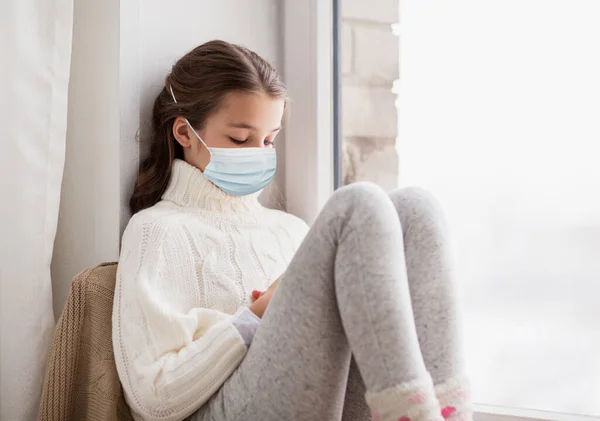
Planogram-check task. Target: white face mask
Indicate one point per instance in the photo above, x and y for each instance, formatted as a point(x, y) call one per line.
point(238, 171)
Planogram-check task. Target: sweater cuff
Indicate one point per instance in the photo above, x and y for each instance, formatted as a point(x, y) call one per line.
point(246, 323)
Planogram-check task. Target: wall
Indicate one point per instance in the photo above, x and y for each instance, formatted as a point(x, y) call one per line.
point(88, 226)
point(121, 54)
point(369, 68)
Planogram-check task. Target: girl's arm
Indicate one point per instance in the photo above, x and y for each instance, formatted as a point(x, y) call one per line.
point(171, 356)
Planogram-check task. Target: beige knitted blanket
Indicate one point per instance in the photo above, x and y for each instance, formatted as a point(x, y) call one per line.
point(81, 380)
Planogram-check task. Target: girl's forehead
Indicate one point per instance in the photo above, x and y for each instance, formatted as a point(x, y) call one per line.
point(252, 110)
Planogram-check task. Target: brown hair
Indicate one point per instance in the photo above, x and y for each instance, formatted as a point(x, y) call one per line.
point(200, 80)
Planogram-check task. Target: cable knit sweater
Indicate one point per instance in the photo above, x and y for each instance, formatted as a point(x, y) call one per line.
point(187, 264)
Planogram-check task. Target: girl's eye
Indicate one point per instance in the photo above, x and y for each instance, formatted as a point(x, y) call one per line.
point(237, 141)
point(269, 142)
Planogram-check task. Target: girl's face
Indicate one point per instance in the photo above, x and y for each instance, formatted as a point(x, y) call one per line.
point(244, 120)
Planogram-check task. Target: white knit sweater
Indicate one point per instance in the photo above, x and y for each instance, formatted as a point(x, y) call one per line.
point(187, 264)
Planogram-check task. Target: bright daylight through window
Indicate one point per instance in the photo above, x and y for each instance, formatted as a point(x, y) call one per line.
point(499, 107)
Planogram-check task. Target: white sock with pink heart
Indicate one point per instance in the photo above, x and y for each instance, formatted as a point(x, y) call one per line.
point(411, 401)
point(455, 399)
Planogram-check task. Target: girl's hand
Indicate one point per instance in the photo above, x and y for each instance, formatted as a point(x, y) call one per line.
point(256, 294)
point(259, 306)
point(262, 298)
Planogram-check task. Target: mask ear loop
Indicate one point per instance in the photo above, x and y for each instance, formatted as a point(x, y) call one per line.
point(188, 123)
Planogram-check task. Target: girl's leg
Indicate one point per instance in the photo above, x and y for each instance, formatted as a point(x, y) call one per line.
point(345, 290)
point(429, 266)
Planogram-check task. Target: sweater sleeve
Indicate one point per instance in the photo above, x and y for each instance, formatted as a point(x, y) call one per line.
point(246, 323)
point(171, 356)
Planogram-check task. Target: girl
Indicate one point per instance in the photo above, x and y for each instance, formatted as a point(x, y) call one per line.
point(197, 329)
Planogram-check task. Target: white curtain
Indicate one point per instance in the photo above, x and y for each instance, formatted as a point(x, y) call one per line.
point(35, 54)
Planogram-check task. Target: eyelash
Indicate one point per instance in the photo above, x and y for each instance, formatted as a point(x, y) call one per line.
point(241, 142)
point(237, 141)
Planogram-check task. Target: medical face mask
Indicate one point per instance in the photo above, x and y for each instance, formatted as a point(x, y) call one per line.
point(238, 171)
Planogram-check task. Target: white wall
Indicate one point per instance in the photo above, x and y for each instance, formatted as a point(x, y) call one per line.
point(88, 227)
point(121, 54)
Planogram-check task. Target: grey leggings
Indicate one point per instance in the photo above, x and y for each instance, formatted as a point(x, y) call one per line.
point(349, 294)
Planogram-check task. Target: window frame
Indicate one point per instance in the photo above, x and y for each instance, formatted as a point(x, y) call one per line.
point(337, 139)
point(308, 70)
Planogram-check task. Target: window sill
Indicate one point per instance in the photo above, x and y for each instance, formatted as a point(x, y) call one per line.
point(500, 413)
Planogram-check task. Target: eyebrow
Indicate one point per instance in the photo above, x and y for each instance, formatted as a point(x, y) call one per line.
point(248, 126)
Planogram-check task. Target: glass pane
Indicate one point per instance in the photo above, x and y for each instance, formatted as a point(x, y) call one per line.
point(369, 68)
point(499, 105)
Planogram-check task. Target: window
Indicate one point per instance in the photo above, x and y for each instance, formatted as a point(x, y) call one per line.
point(499, 104)
point(498, 115)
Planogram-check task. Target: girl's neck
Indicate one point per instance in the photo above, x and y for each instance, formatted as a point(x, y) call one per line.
point(190, 189)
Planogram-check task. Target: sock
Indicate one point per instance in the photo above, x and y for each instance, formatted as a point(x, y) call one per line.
point(455, 400)
point(411, 401)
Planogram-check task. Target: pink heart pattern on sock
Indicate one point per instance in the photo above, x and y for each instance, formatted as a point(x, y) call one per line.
point(418, 397)
point(404, 419)
point(447, 411)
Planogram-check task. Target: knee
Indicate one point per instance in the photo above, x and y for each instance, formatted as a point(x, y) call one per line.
point(361, 193)
point(365, 197)
point(415, 204)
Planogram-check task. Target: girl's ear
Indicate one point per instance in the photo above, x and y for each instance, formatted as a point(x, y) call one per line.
point(182, 132)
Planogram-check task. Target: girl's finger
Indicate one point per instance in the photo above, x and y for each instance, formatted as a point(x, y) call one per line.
point(256, 293)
